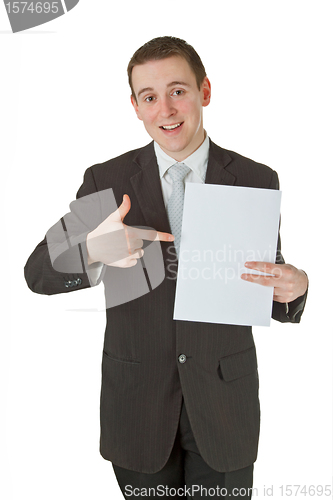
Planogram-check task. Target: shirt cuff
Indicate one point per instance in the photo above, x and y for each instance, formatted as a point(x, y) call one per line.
point(295, 308)
point(94, 272)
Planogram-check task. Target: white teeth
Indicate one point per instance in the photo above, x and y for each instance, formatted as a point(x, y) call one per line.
point(170, 127)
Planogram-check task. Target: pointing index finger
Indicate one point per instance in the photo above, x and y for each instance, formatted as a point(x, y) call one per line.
point(164, 236)
point(150, 234)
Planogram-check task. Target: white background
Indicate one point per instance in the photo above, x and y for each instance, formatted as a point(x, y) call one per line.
point(64, 106)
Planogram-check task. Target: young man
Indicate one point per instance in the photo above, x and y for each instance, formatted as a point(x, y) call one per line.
point(179, 399)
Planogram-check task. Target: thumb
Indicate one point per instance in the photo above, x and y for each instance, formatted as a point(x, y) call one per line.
point(124, 208)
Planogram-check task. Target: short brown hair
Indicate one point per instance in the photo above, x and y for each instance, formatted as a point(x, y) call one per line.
point(163, 47)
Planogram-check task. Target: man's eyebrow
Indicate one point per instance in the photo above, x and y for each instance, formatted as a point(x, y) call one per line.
point(171, 84)
point(178, 83)
point(146, 89)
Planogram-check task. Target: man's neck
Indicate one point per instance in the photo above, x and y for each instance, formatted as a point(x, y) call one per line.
point(182, 155)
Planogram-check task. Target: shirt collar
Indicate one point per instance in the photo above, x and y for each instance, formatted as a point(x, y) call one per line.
point(197, 161)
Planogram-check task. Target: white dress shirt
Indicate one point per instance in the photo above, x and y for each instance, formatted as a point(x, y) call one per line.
point(197, 162)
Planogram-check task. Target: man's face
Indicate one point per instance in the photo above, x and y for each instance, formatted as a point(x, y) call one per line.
point(168, 96)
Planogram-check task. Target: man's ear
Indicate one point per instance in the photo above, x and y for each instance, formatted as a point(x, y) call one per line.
point(206, 91)
point(136, 107)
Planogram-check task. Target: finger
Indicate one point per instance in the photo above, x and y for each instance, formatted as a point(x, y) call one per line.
point(164, 236)
point(149, 234)
point(138, 253)
point(122, 210)
point(136, 243)
point(279, 294)
point(125, 206)
point(278, 298)
point(126, 228)
point(134, 257)
point(259, 279)
point(265, 267)
point(127, 262)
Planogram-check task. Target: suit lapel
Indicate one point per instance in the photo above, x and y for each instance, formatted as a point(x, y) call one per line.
point(218, 160)
point(147, 186)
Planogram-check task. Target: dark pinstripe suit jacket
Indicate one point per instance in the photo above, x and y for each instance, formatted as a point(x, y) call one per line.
point(142, 380)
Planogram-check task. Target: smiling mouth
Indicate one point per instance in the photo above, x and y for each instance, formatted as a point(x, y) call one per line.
point(171, 127)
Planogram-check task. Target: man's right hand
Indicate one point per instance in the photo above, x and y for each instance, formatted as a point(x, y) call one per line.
point(115, 244)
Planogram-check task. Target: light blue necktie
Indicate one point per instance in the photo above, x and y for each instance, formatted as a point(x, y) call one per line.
point(175, 205)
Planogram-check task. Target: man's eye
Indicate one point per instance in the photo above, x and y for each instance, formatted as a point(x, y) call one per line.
point(149, 98)
point(178, 92)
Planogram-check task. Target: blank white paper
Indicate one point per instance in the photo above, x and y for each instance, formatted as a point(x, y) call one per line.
point(223, 227)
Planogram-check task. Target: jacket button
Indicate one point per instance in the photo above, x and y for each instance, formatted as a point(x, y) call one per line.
point(182, 358)
point(79, 281)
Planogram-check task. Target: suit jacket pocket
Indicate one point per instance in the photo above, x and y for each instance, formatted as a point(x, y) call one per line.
point(238, 365)
point(120, 360)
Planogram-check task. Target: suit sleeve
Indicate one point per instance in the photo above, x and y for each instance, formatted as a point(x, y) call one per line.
point(291, 312)
point(59, 262)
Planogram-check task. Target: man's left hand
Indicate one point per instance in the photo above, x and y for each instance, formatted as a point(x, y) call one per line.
point(288, 281)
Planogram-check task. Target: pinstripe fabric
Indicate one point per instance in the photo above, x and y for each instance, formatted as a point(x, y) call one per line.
point(142, 380)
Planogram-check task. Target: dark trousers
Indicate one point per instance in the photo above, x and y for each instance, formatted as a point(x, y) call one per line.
point(186, 474)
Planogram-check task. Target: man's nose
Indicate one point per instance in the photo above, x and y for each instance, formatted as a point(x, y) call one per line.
point(167, 107)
